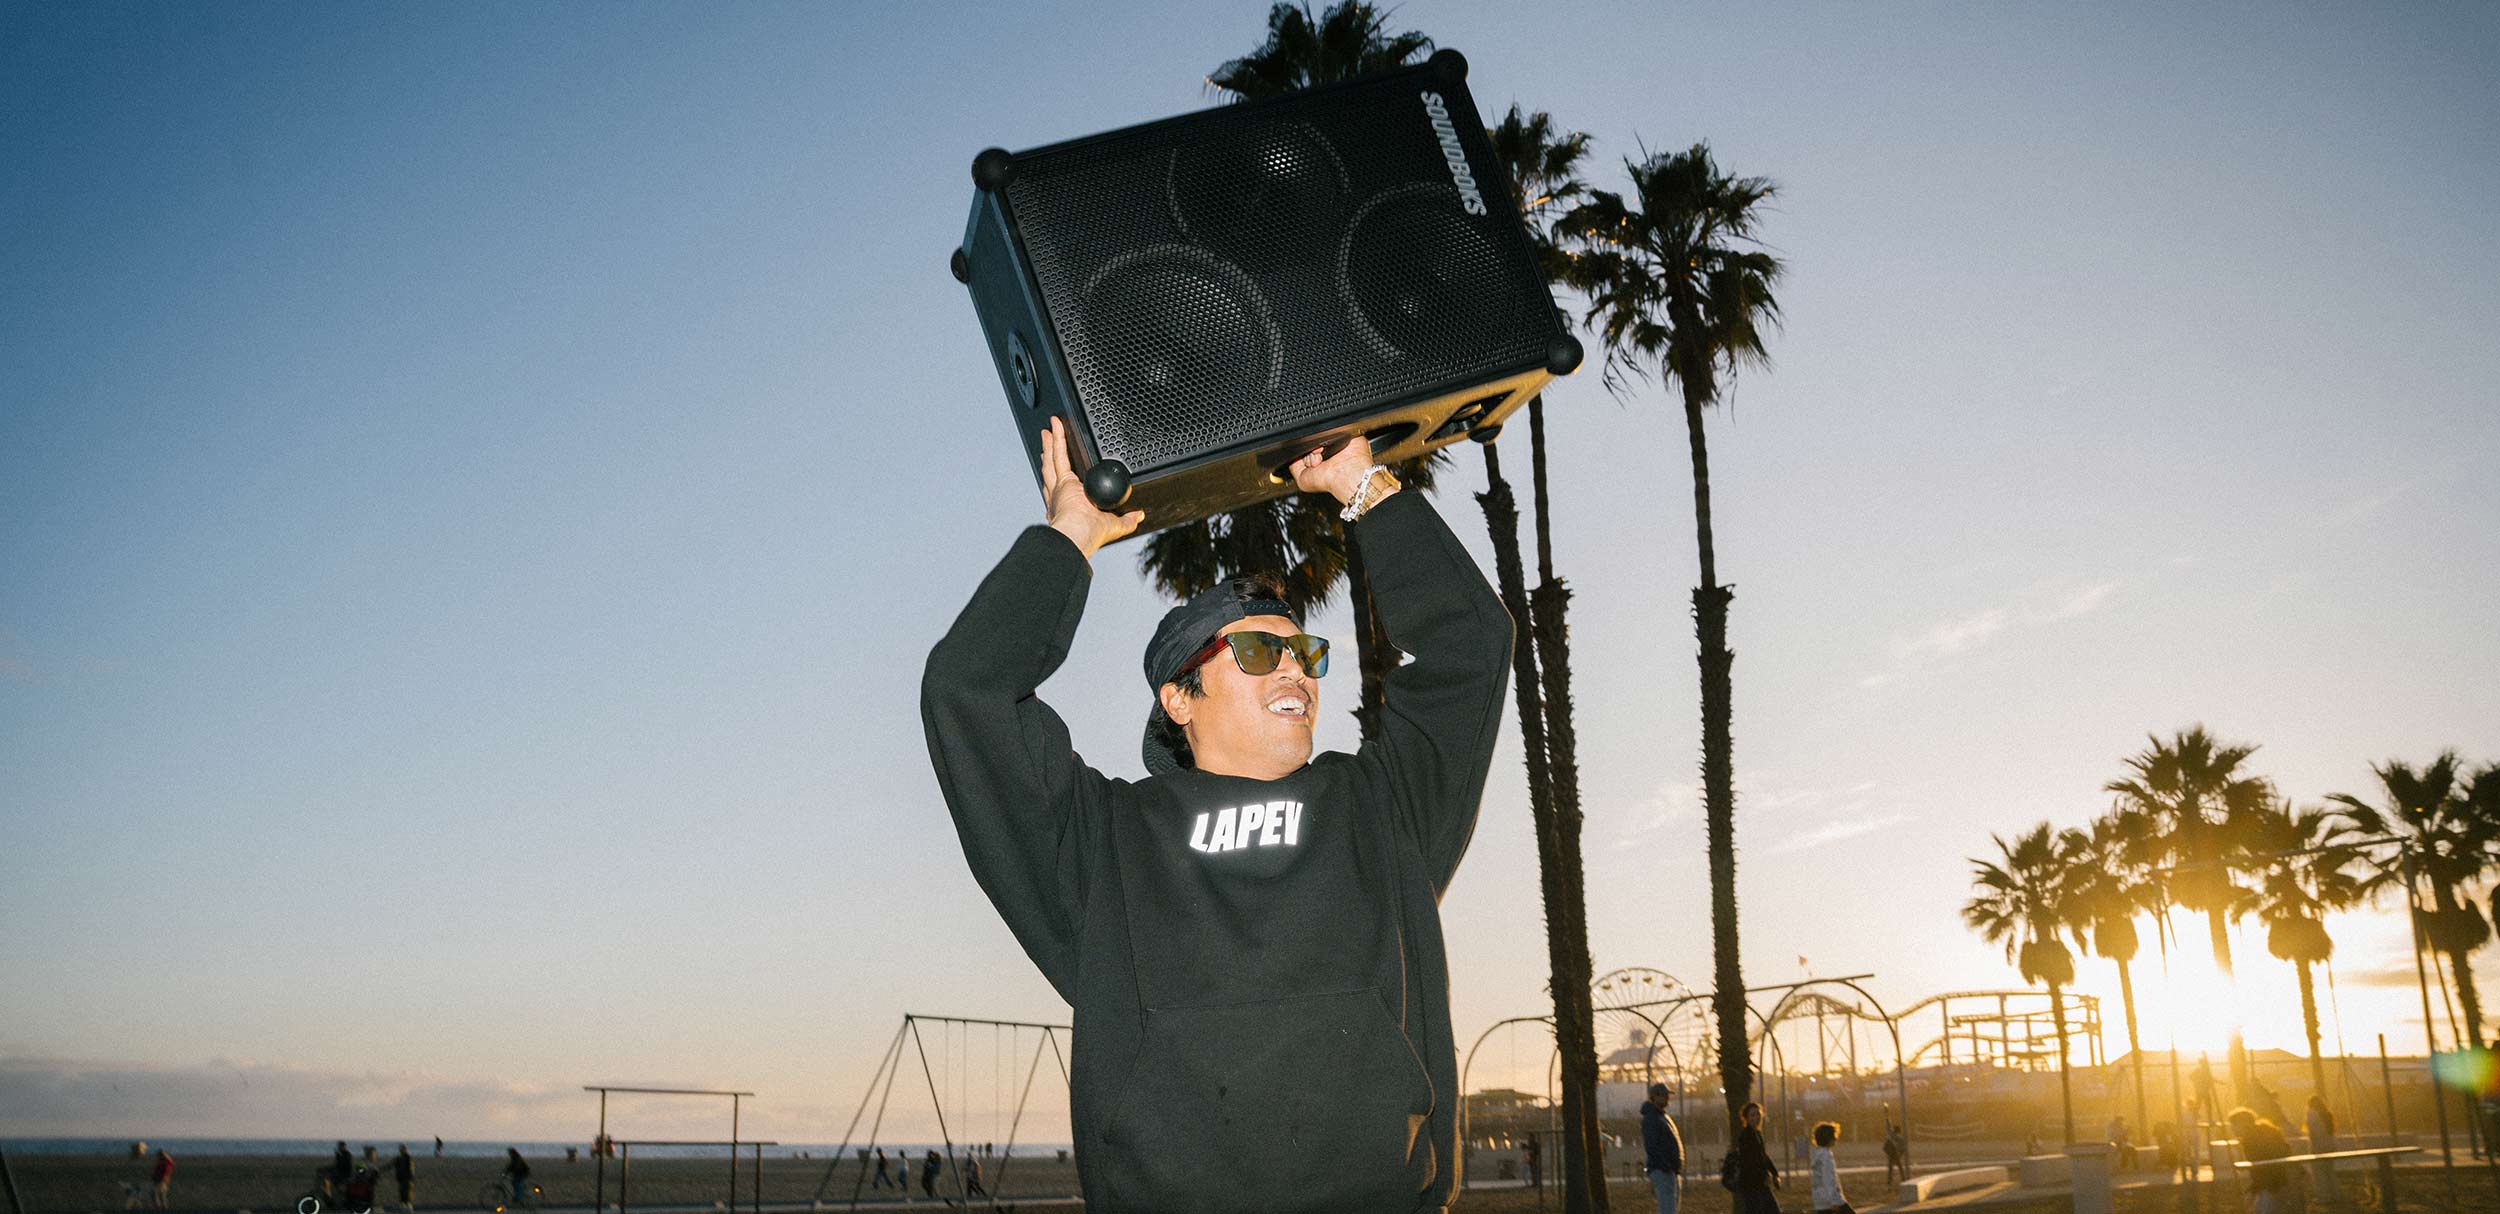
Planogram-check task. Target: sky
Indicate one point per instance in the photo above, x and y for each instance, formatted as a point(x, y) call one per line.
point(477, 484)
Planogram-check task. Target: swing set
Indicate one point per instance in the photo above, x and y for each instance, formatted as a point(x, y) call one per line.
point(950, 1077)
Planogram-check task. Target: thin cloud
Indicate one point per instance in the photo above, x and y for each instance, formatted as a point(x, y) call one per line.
point(1673, 801)
point(1834, 832)
point(1954, 636)
point(2393, 974)
point(2045, 603)
point(2086, 600)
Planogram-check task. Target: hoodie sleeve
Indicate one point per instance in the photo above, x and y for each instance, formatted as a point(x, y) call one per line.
point(1444, 707)
point(1021, 798)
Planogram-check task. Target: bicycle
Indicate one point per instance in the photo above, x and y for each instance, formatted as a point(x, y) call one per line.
point(497, 1196)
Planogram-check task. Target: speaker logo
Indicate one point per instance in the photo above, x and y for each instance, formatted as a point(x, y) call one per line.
point(1446, 131)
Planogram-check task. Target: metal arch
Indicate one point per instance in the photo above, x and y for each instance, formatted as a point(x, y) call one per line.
point(1900, 1064)
point(1649, 1061)
point(1755, 1042)
point(1469, 1064)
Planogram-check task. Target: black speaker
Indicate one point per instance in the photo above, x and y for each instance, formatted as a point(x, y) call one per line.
point(1209, 297)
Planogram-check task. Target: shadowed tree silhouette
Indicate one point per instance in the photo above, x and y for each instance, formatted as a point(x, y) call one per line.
point(2200, 798)
point(1543, 171)
point(2114, 885)
point(1298, 537)
point(2447, 846)
point(2306, 869)
point(1678, 286)
point(2026, 900)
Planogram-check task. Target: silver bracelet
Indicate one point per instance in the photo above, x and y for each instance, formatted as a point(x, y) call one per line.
point(1362, 489)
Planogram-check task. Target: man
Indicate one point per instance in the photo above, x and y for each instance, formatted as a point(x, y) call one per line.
point(1663, 1150)
point(404, 1173)
point(1251, 936)
point(161, 1179)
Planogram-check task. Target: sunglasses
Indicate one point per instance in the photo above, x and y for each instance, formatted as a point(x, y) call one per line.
point(1258, 653)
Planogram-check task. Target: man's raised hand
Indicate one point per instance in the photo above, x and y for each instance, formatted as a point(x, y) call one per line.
point(1337, 475)
point(1071, 513)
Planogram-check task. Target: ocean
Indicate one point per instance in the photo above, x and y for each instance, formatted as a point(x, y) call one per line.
point(320, 1148)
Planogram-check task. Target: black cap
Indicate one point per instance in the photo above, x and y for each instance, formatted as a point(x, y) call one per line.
point(1185, 630)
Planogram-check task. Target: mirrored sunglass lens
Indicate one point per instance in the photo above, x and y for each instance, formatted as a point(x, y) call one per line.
point(1256, 651)
point(1312, 652)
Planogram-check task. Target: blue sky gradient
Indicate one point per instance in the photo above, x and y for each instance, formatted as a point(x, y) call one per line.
point(477, 484)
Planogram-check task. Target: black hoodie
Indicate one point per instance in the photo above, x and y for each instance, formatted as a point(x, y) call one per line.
point(1256, 966)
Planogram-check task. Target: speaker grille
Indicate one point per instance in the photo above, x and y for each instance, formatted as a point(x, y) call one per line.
point(1248, 270)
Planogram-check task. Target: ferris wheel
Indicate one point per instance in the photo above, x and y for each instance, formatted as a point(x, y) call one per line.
point(1649, 1024)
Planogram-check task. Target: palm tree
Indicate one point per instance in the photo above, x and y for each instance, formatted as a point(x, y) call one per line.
point(1298, 534)
point(2448, 837)
point(1304, 49)
point(2025, 904)
point(2199, 797)
point(2304, 864)
point(2115, 867)
point(1673, 270)
point(1543, 173)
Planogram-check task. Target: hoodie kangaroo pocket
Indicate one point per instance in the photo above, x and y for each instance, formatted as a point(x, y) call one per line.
point(1308, 1103)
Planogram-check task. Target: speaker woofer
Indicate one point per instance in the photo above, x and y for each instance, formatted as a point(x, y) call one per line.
point(1178, 341)
point(1272, 198)
point(1421, 280)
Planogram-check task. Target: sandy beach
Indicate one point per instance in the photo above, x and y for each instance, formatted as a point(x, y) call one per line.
point(78, 1184)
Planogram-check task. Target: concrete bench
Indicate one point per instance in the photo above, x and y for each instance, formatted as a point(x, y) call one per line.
point(2037, 1171)
point(2384, 1157)
point(1936, 1184)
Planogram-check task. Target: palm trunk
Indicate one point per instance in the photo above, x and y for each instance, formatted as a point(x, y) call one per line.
point(2309, 1024)
point(2468, 1000)
point(2065, 1080)
point(2218, 933)
point(2135, 1052)
point(1562, 926)
point(1718, 779)
point(1549, 606)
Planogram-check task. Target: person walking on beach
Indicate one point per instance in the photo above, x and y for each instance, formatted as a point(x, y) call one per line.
point(1662, 1151)
point(342, 1168)
point(929, 1174)
point(161, 1179)
point(404, 1174)
point(1250, 936)
point(1756, 1175)
point(438, 1146)
point(972, 1175)
point(878, 1181)
point(1828, 1199)
point(1536, 1160)
point(1896, 1155)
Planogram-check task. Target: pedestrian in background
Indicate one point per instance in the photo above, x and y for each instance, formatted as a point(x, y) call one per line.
point(1828, 1199)
point(1662, 1151)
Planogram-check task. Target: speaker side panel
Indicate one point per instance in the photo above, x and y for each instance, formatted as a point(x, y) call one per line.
point(1016, 326)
